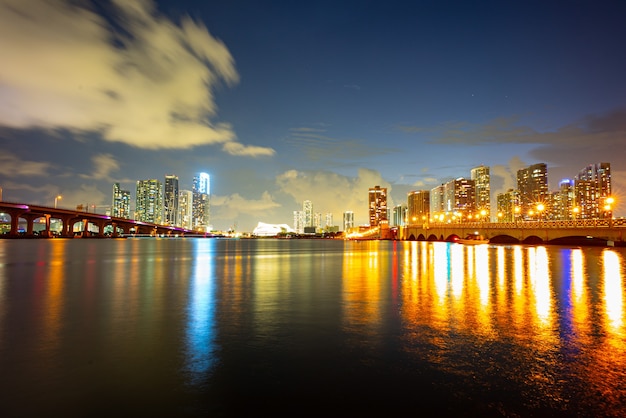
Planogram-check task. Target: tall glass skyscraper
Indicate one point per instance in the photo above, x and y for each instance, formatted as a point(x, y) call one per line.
point(149, 201)
point(481, 178)
point(120, 207)
point(532, 184)
point(378, 206)
point(170, 201)
point(201, 190)
point(592, 187)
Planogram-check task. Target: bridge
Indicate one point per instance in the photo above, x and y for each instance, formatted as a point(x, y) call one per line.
point(611, 232)
point(579, 232)
point(91, 224)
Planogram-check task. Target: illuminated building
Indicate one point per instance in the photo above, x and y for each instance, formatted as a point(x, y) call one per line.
point(201, 190)
point(185, 209)
point(307, 209)
point(481, 178)
point(120, 207)
point(149, 201)
point(170, 200)
point(329, 220)
point(271, 230)
point(298, 221)
point(399, 215)
point(592, 186)
point(378, 206)
point(532, 185)
point(563, 201)
point(508, 205)
point(436, 200)
point(459, 196)
point(348, 220)
point(418, 207)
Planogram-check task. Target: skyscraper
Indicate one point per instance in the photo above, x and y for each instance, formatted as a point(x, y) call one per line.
point(298, 221)
point(459, 196)
point(377, 206)
point(481, 178)
point(592, 187)
point(185, 209)
point(532, 185)
point(418, 207)
point(436, 200)
point(307, 209)
point(201, 190)
point(120, 207)
point(348, 220)
point(149, 201)
point(170, 200)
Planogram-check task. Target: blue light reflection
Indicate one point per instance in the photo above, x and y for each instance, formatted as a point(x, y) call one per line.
point(201, 312)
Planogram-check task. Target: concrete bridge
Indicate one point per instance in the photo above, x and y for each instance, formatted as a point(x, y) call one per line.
point(580, 232)
point(69, 219)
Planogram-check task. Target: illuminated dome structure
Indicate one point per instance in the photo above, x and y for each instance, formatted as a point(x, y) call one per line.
point(271, 230)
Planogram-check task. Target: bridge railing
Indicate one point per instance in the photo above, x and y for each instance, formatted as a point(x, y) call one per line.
point(580, 223)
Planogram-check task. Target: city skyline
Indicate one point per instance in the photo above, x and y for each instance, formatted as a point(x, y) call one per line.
point(281, 103)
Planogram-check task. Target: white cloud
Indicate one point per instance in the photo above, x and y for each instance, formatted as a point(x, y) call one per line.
point(232, 206)
point(12, 166)
point(103, 165)
point(64, 66)
point(332, 192)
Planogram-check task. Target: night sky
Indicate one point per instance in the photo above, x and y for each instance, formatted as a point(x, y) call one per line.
point(284, 101)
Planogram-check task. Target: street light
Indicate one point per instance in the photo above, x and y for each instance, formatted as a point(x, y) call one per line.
point(56, 199)
point(540, 209)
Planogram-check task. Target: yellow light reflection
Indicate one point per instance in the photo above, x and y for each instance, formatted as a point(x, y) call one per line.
point(54, 295)
point(457, 270)
point(613, 292)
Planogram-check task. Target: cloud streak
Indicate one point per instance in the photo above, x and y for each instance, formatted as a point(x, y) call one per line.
point(138, 78)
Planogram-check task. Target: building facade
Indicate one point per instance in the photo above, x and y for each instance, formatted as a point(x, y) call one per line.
point(201, 190)
point(149, 201)
point(480, 176)
point(592, 188)
point(185, 209)
point(348, 220)
point(377, 207)
point(418, 207)
point(532, 185)
point(170, 201)
point(120, 207)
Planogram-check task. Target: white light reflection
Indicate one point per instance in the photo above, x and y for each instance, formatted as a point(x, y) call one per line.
point(481, 254)
point(457, 270)
point(577, 275)
point(613, 298)
point(518, 269)
point(441, 268)
point(540, 279)
point(200, 312)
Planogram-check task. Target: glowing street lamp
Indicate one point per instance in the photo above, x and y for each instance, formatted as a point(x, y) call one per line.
point(576, 210)
point(56, 199)
point(540, 209)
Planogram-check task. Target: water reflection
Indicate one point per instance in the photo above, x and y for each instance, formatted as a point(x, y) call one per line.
point(200, 326)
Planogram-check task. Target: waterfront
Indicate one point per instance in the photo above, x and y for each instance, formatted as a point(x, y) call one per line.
point(221, 327)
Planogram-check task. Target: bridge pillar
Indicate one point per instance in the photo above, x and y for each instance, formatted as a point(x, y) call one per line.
point(30, 218)
point(15, 214)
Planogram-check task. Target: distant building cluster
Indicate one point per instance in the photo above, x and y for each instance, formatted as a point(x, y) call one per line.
point(306, 221)
point(164, 204)
point(587, 196)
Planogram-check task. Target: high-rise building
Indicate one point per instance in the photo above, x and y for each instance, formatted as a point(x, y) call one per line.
point(436, 200)
point(532, 185)
point(307, 209)
point(149, 201)
point(298, 221)
point(481, 178)
point(185, 209)
point(459, 196)
point(317, 220)
point(592, 188)
point(348, 220)
point(418, 207)
point(563, 201)
point(201, 190)
point(120, 208)
point(329, 220)
point(508, 206)
point(170, 201)
point(399, 215)
point(378, 206)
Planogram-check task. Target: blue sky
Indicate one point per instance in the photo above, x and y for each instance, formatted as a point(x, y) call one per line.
point(286, 101)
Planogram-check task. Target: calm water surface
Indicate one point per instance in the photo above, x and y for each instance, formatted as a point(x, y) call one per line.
point(218, 327)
